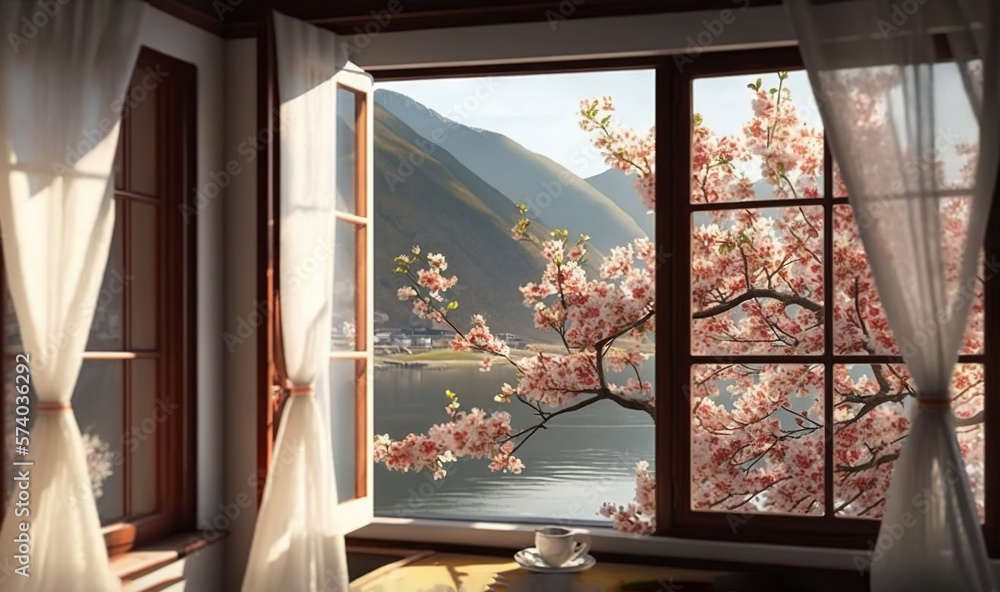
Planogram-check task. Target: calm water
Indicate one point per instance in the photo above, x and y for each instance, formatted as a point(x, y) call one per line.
point(583, 459)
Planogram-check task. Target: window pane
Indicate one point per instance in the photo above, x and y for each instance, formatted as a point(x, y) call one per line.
point(871, 402)
point(347, 150)
point(144, 287)
point(860, 324)
point(106, 331)
point(118, 170)
point(141, 113)
point(141, 435)
point(452, 164)
point(344, 395)
point(345, 287)
point(758, 143)
point(757, 438)
point(757, 281)
point(98, 402)
point(582, 460)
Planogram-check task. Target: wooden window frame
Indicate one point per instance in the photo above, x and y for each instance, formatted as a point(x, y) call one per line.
point(175, 436)
point(672, 446)
point(827, 530)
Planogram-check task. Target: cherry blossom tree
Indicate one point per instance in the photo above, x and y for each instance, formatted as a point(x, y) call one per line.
point(758, 287)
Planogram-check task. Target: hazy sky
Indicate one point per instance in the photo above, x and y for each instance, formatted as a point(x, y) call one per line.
point(539, 111)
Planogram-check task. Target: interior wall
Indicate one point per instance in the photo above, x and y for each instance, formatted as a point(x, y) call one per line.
point(179, 39)
point(241, 319)
point(563, 38)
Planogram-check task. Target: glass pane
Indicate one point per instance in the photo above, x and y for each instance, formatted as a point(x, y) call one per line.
point(839, 189)
point(141, 436)
point(10, 405)
point(345, 286)
point(141, 113)
point(891, 158)
point(757, 281)
point(106, 332)
point(347, 151)
point(871, 403)
point(344, 397)
point(757, 143)
point(118, 171)
point(860, 324)
point(98, 402)
point(757, 438)
point(144, 295)
point(452, 164)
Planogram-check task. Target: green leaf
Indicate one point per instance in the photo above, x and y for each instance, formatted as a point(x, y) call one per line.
point(453, 305)
point(774, 90)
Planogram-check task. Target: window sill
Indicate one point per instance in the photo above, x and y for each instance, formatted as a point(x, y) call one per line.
point(133, 567)
point(500, 537)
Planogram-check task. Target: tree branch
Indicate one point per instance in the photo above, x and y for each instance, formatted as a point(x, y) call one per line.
point(752, 293)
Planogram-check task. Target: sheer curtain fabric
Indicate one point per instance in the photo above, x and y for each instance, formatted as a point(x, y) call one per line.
point(888, 77)
point(59, 126)
point(297, 545)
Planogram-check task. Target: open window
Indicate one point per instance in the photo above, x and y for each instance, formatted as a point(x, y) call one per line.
point(345, 392)
point(134, 397)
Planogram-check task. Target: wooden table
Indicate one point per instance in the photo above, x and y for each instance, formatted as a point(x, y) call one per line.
point(451, 572)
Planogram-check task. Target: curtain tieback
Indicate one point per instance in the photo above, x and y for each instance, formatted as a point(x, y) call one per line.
point(301, 390)
point(53, 407)
point(934, 403)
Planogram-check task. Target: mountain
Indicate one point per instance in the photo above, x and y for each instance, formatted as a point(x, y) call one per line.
point(620, 188)
point(445, 208)
point(555, 196)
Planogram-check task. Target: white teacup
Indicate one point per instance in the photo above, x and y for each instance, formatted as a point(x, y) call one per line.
point(558, 546)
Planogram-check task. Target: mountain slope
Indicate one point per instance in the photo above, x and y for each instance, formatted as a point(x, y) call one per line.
point(620, 188)
point(554, 195)
point(445, 208)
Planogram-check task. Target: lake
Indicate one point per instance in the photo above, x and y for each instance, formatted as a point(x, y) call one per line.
point(583, 459)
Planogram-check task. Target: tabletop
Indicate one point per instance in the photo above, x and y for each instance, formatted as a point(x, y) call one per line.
point(452, 572)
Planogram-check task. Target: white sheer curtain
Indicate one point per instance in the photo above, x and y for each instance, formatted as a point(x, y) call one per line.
point(297, 546)
point(59, 130)
point(890, 79)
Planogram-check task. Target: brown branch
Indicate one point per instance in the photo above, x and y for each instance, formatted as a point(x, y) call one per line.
point(752, 293)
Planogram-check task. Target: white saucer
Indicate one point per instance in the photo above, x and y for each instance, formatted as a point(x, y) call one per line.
point(530, 560)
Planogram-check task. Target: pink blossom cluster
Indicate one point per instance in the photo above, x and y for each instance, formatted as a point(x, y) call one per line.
point(473, 434)
point(622, 148)
point(639, 516)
